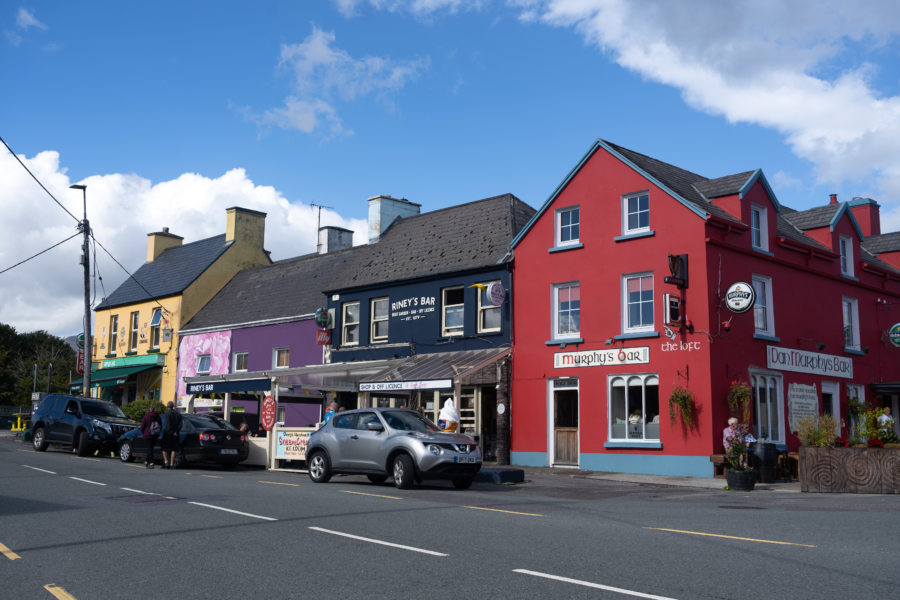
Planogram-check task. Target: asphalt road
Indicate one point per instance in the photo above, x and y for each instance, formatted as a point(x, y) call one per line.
point(88, 528)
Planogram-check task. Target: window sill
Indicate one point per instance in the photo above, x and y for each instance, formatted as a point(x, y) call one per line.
point(850, 277)
point(491, 332)
point(153, 351)
point(768, 338)
point(113, 355)
point(633, 236)
point(637, 336)
point(564, 248)
point(132, 353)
point(855, 352)
point(563, 343)
point(762, 251)
point(634, 445)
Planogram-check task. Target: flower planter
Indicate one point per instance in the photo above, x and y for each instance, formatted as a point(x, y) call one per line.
point(850, 470)
point(740, 480)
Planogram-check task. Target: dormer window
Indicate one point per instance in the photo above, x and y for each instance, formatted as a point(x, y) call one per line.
point(759, 228)
point(846, 247)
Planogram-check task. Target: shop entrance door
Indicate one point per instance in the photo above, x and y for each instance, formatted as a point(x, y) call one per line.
point(831, 403)
point(565, 422)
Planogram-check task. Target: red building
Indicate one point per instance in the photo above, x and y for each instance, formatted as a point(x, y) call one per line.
point(637, 276)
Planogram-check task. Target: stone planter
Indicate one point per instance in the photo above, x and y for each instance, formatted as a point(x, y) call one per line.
point(742, 481)
point(850, 470)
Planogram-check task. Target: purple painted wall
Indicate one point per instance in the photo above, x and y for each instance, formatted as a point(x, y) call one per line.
point(259, 342)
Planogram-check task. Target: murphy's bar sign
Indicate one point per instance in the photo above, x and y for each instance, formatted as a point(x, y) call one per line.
point(602, 358)
point(801, 361)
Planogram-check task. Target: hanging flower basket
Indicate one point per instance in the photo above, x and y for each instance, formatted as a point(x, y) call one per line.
point(739, 396)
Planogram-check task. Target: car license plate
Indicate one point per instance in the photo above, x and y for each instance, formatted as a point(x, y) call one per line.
point(228, 451)
point(467, 459)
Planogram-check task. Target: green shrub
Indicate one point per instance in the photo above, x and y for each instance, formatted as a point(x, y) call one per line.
point(816, 430)
point(137, 409)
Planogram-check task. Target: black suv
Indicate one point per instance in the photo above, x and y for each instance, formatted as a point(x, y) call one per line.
point(83, 424)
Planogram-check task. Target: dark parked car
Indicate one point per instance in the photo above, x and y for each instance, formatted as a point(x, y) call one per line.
point(204, 439)
point(391, 442)
point(83, 424)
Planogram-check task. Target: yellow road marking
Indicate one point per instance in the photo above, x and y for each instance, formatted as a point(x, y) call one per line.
point(280, 483)
point(511, 512)
point(732, 537)
point(8, 553)
point(58, 592)
point(375, 495)
point(90, 459)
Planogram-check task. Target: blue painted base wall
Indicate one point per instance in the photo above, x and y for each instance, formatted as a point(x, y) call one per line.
point(644, 464)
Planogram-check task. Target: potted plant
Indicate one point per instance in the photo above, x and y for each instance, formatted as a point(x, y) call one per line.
point(740, 475)
point(739, 396)
point(684, 401)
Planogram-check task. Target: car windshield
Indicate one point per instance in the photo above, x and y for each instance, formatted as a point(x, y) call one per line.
point(408, 421)
point(210, 422)
point(101, 409)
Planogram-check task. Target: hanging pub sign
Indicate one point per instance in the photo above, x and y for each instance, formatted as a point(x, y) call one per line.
point(322, 318)
point(496, 294)
point(894, 335)
point(740, 297)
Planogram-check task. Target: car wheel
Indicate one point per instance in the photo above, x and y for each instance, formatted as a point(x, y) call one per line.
point(38, 440)
point(83, 447)
point(377, 478)
point(319, 467)
point(462, 484)
point(126, 452)
point(404, 471)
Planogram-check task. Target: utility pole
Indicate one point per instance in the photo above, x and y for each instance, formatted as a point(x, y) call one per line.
point(86, 262)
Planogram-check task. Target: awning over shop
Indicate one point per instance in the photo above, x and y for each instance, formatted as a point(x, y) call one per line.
point(888, 387)
point(339, 377)
point(111, 377)
point(440, 370)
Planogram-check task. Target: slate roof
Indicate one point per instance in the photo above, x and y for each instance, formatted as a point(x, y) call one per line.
point(787, 230)
point(287, 288)
point(169, 274)
point(723, 186)
point(814, 218)
point(885, 242)
point(458, 238)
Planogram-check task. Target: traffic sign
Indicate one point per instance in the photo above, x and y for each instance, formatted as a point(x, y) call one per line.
point(267, 419)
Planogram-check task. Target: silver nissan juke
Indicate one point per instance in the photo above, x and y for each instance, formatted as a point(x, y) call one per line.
point(391, 442)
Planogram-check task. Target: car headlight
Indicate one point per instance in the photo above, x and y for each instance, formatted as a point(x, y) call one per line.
point(434, 449)
point(98, 424)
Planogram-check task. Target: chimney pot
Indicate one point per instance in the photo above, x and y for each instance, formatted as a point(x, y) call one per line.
point(165, 230)
point(833, 199)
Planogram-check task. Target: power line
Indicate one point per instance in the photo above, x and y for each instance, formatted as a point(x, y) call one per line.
point(38, 181)
point(39, 253)
point(130, 276)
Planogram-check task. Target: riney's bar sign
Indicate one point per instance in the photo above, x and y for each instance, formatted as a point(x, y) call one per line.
point(801, 361)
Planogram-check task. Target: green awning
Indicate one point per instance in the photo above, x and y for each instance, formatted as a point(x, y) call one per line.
point(110, 377)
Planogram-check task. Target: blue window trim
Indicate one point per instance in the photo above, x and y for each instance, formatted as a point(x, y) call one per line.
point(635, 336)
point(564, 248)
point(761, 251)
point(854, 352)
point(634, 236)
point(768, 338)
point(563, 343)
point(645, 445)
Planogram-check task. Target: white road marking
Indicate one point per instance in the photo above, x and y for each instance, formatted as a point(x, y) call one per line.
point(140, 492)
point(87, 480)
point(383, 543)
point(591, 585)
point(237, 512)
point(41, 470)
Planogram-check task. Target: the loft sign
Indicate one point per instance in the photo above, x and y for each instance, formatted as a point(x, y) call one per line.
point(801, 361)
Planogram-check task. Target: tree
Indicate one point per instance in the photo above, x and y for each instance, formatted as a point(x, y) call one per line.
point(19, 353)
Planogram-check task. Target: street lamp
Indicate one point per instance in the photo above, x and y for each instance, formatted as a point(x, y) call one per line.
point(86, 256)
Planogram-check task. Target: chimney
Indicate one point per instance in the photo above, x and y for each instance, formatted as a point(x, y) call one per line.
point(384, 210)
point(332, 239)
point(245, 226)
point(833, 199)
point(867, 213)
point(160, 241)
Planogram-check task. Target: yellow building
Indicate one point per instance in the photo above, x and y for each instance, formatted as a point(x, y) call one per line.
point(135, 343)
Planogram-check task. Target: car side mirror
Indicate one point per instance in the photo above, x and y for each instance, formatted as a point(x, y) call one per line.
point(375, 426)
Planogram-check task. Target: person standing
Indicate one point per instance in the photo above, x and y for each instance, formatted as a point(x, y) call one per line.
point(170, 435)
point(332, 408)
point(151, 425)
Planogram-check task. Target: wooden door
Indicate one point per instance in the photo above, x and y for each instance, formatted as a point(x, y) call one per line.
point(565, 427)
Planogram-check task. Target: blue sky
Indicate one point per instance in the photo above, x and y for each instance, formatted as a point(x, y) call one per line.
point(171, 112)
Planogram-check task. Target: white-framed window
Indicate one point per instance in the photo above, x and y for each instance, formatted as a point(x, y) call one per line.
point(846, 246)
point(453, 302)
point(763, 314)
point(759, 227)
point(566, 310)
point(113, 334)
point(379, 314)
point(350, 324)
point(240, 361)
point(768, 422)
point(489, 316)
point(133, 335)
point(851, 323)
point(568, 226)
point(636, 213)
point(637, 302)
point(203, 364)
point(154, 328)
point(633, 407)
point(281, 358)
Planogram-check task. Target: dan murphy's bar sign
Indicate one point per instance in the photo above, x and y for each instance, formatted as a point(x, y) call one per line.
point(801, 361)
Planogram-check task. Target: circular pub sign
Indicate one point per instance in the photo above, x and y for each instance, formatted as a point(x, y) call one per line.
point(740, 297)
point(322, 318)
point(496, 293)
point(894, 335)
point(267, 418)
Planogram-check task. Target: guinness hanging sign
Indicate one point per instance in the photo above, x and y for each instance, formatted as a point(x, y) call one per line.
point(740, 297)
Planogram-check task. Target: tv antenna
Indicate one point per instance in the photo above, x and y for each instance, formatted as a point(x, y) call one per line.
point(319, 225)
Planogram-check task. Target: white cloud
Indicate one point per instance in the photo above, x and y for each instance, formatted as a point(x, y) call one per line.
point(26, 19)
point(47, 292)
point(325, 75)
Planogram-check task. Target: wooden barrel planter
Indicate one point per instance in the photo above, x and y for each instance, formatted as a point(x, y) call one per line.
point(850, 470)
point(740, 480)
